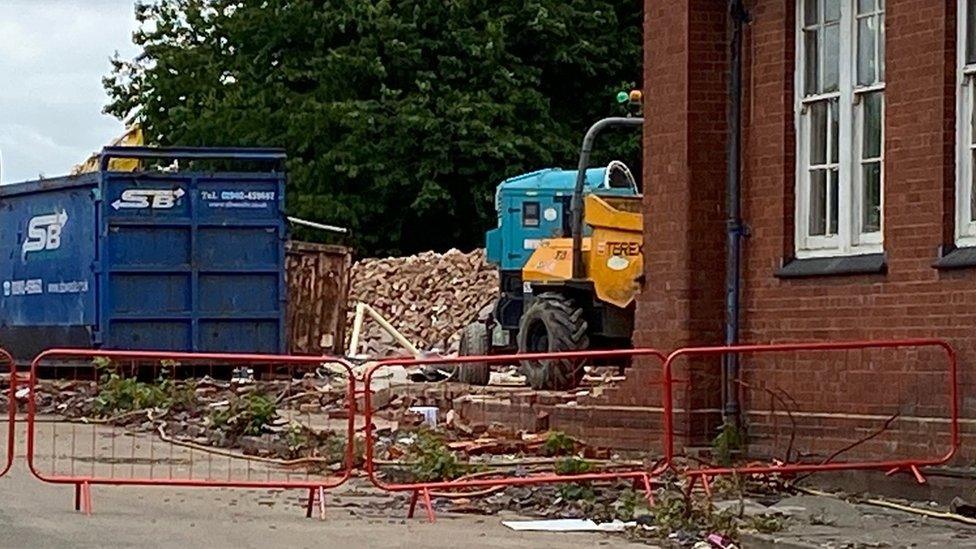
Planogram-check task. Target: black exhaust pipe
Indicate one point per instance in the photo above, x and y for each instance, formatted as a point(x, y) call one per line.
point(584, 162)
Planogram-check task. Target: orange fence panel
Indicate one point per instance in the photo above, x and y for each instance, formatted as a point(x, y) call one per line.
point(838, 399)
point(11, 404)
point(154, 418)
point(640, 474)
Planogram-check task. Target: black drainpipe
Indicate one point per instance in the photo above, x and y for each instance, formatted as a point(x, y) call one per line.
point(734, 226)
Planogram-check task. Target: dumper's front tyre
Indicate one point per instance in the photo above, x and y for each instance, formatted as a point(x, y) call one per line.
point(553, 323)
point(474, 342)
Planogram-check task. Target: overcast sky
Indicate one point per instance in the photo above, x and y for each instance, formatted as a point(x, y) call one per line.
point(53, 54)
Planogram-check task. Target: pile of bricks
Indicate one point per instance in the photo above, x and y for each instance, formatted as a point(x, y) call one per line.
point(428, 297)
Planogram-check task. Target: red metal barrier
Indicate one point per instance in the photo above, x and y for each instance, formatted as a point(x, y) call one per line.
point(891, 466)
point(11, 408)
point(423, 489)
point(180, 472)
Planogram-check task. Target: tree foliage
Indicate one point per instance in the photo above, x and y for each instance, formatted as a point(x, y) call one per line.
point(399, 116)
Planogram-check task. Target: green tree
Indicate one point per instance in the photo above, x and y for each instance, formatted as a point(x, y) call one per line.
point(399, 116)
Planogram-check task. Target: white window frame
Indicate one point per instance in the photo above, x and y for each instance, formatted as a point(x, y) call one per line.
point(965, 89)
point(848, 240)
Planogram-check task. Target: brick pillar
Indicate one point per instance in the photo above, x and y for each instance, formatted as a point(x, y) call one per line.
point(685, 72)
point(920, 96)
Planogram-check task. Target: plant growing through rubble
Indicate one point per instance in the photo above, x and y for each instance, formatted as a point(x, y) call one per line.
point(730, 440)
point(630, 504)
point(764, 524)
point(671, 513)
point(261, 410)
point(298, 440)
point(118, 394)
point(431, 459)
point(178, 395)
point(558, 444)
point(730, 486)
point(674, 512)
point(126, 394)
point(245, 415)
point(574, 465)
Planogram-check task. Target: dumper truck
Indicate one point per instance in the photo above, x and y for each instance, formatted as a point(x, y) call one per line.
point(569, 249)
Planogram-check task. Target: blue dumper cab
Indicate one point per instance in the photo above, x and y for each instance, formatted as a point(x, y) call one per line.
point(536, 206)
point(162, 260)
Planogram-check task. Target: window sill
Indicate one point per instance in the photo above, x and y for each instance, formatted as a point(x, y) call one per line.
point(956, 258)
point(833, 266)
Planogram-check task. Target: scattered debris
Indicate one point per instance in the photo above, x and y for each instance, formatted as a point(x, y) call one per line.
point(962, 507)
point(567, 525)
point(817, 510)
point(428, 412)
point(718, 541)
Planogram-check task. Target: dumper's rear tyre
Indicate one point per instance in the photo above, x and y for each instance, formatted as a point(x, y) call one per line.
point(553, 323)
point(474, 341)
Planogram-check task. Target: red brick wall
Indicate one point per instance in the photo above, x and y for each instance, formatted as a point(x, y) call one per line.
point(912, 298)
point(685, 68)
point(685, 61)
point(684, 137)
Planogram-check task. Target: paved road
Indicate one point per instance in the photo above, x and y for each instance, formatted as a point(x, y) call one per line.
point(38, 515)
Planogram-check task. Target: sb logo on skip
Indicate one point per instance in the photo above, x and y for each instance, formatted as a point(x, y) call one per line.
point(44, 233)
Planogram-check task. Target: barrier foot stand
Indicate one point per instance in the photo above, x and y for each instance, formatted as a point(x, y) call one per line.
point(706, 486)
point(691, 486)
point(321, 492)
point(86, 499)
point(311, 503)
point(429, 506)
point(913, 469)
point(315, 495)
point(413, 503)
point(647, 490)
point(77, 497)
point(919, 477)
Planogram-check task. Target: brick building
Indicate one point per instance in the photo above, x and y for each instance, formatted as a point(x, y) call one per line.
point(857, 192)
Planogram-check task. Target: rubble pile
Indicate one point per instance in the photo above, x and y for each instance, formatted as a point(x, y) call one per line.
point(412, 450)
point(428, 297)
